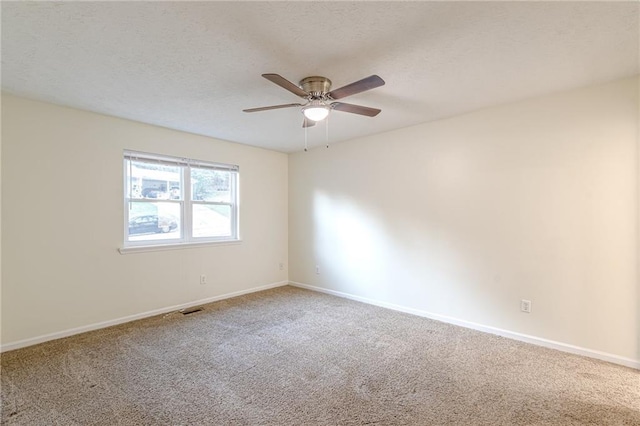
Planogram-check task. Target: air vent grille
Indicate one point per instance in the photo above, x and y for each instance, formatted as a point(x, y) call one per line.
point(189, 311)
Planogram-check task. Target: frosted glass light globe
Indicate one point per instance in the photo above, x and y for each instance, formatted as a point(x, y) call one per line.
point(316, 113)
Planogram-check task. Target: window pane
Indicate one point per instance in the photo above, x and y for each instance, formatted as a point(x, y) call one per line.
point(154, 221)
point(210, 185)
point(211, 220)
point(150, 180)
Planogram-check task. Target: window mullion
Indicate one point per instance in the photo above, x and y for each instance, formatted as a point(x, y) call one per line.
point(214, 203)
point(234, 207)
point(127, 200)
point(186, 206)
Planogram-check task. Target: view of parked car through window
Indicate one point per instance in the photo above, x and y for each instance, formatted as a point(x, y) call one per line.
point(151, 224)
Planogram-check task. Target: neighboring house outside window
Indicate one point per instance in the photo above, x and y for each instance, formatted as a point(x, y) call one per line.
point(171, 200)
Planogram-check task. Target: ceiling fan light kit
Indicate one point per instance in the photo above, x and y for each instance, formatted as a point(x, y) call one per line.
point(316, 90)
point(316, 110)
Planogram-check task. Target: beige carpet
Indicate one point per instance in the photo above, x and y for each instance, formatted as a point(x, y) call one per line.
point(293, 357)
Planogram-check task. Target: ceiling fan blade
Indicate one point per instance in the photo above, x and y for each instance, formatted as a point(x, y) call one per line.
point(368, 83)
point(355, 109)
point(271, 107)
point(286, 84)
point(308, 123)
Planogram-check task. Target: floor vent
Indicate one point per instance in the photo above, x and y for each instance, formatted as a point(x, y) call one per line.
point(188, 311)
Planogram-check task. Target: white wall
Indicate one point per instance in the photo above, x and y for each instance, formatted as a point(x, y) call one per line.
point(466, 216)
point(0, 225)
point(62, 222)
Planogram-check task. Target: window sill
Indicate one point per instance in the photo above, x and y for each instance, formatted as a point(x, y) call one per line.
point(175, 246)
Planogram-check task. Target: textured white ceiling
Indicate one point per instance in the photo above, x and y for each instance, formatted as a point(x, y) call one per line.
point(194, 66)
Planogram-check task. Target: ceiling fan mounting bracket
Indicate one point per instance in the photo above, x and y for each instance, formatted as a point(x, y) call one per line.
point(316, 86)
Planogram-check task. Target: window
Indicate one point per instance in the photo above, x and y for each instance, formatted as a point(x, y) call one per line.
point(178, 200)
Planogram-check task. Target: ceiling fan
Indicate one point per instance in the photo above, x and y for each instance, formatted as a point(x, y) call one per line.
point(320, 98)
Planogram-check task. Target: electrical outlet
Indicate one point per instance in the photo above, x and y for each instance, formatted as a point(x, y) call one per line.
point(525, 306)
point(203, 279)
point(281, 266)
point(317, 270)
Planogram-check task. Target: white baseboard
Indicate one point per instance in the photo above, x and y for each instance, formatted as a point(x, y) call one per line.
point(104, 324)
point(564, 347)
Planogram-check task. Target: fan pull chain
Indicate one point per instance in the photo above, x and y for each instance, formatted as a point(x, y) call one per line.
point(305, 139)
point(326, 130)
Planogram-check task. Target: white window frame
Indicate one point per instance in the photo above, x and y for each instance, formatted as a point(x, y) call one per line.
point(186, 202)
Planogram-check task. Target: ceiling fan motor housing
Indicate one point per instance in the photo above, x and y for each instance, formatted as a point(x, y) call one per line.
point(316, 86)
